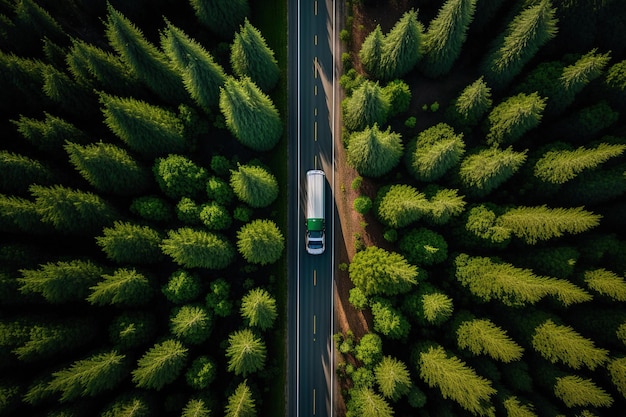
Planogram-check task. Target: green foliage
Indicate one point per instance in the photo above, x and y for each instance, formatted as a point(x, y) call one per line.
point(616, 76)
point(369, 350)
point(362, 204)
point(399, 205)
point(251, 57)
point(19, 171)
point(575, 391)
point(201, 373)
point(443, 205)
point(401, 47)
point(131, 243)
point(131, 329)
point(196, 407)
point(484, 171)
point(246, 353)
point(515, 409)
point(377, 271)
point(250, 114)
point(215, 216)
point(592, 119)
point(62, 281)
point(373, 152)
point(358, 299)
point(125, 287)
point(178, 176)
point(90, 376)
point(221, 16)
point(254, 185)
point(446, 35)
point(50, 133)
point(586, 69)
point(617, 372)
point(482, 336)
point(434, 307)
point(392, 377)
point(367, 403)
point(241, 403)
point(191, 324)
point(217, 298)
point(515, 116)
point(21, 215)
point(128, 405)
point(433, 152)
point(606, 283)
point(160, 365)
point(366, 107)
point(258, 308)
point(423, 247)
point(371, 52)
point(192, 248)
point(389, 321)
point(220, 165)
point(152, 208)
point(187, 211)
point(183, 286)
point(398, 95)
point(260, 242)
point(218, 189)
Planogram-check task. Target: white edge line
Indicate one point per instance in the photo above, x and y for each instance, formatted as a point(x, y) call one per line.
point(298, 225)
point(332, 293)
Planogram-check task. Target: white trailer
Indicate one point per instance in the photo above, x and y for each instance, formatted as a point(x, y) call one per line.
point(315, 219)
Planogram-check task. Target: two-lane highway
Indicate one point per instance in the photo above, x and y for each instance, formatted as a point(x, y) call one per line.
point(311, 279)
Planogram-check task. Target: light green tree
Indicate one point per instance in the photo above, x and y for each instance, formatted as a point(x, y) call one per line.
point(251, 57)
point(575, 391)
point(617, 372)
point(371, 52)
point(215, 216)
point(178, 176)
point(399, 205)
point(246, 353)
point(482, 336)
point(389, 321)
point(192, 248)
point(196, 407)
point(241, 402)
point(260, 242)
point(514, 408)
point(576, 76)
point(473, 102)
point(367, 403)
point(182, 286)
point(402, 47)
point(125, 287)
point(131, 243)
point(254, 185)
point(444, 204)
point(160, 365)
point(373, 152)
point(130, 404)
point(192, 324)
point(377, 271)
point(606, 283)
point(258, 308)
point(392, 377)
point(434, 152)
point(515, 116)
point(367, 106)
point(484, 171)
point(369, 350)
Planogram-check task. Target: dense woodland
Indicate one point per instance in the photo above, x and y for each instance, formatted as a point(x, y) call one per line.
point(141, 253)
point(497, 286)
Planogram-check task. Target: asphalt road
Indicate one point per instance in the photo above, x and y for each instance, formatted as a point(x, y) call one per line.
point(311, 280)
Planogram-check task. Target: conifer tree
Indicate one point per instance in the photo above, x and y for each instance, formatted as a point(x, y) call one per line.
point(192, 248)
point(514, 408)
point(516, 115)
point(367, 403)
point(560, 166)
point(399, 205)
point(371, 50)
point(201, 373)
point(183, 286)
point(433, 152)
point(68, 95)
point(125, 287)
point(486, 170)
point(246, 353)
point(482, 336)
point(19, 171)
point(178, 176)
point(456, 380)
point(126, 405)
point(402, 47)
point(575, 391)
point(446, 35)
point(241, 403)
point(149, 130)
point(388, 320)
point(90, 376)
point(606, 283)
point(260, 242)
point(21, 80)
point(392, 377)
point(191, 324)
point(145, 60)
point(131, 243)
point(202, 75)
point(109, 168)
point(586, 69)
point(254, 185)
point(221, 16)
point(19, 214)
point(563, 344)
point(251, 57)
point(473, 102)
point(37, 22)
point(429, 306)
point(423, 247)
point(443, 205)
point(617, 372)
point(524, 36)
point(616, 76)
point(366, 107)
point(62, 281)
point(377, 271)
point(131, 329)
point(373, 152)
point(196, 407)
point(160, 365)
point(258, 308)
point(49, 134)
point(250, 114)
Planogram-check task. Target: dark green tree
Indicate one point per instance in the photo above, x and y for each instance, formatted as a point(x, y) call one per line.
point(188, 211)
point(109, 168)
point(131, 243)
point(246, 353)
point(446, 35)
point(68, 95)
point(373, 152)
point(36, 23)
point(258, 308)
point(251, 57)
point(219, 190)
point(371, 51)
point(191, 324)
point(192, 248)
point(377, 271)
point(515, 116)
point(367, 106)
point(135, 405)
point(178, 176)
point(221, 16)
point(472, 104)
point(389, 321)
point(402, 47)
point(241, 402)
point(125, 287)
point(215, 216)
point(183, 286)
point(22, 82)
point(19, 171)
point(152, 208)
point(434, 152)
point(254, 185)
point(217, 299)
point(201, 373)
point(617, 372)
point(131, 329)
point(398, 94)
point(487, 169)
point(392, 377)
point(260, 242)
point(160, 365)
point(423, 247)
point(399, 205)
point(250, 114)
point(576, 76)
point(362, 204)
point(49, 134)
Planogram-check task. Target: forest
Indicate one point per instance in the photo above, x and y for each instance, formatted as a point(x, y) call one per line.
point(142, 223)
point(486, 140)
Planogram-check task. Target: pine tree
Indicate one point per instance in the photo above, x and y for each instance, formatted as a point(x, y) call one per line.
point(434, 152)
point(37, 22)
point(392, 377)
point(560, 166)
point(131, 329)
point(260, 242)
point(201, 373)
point(183, 286)
point(563, 344)
point(512, 118)
point(429, 306)
point(456, 381)
point(514, 408)
point(366, 107)
point(377, 271)
point(21, 81)
point(484, 171)
point(49, 134)
point(575, 391)
point(373, 152)
point(196, 407)
point(371, 51)
point(146, 61)
point(246, 353)
point(19, 171)
point(402, 47)
point(192, 248)
point(423, 247)
point(61, 282)
point(388, 321)
point(178, 176)
point(221, 16)
point(131, 243)
point(399, 205)
point(606, 283)
point(250, 114)
point(160, 365)
point(68, 95)
point(125, 287)
point(367, 403)
point(258, 308)
point(254, 185)
point(586, 69)
point(241, 403)
point(202, 75)
point(523, 38)
point(90, 376)
point(251, 57)
point(481, 224)
point(129, 405)
point(149, 130)
point(473, 102)
point(446, 35)
point(191, 323)
point(109, 168)
point(443, 205)
point(398, 94)
point(617, 372)
point(482, 336)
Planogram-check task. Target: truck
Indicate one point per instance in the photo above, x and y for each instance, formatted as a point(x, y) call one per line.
point(315, 220)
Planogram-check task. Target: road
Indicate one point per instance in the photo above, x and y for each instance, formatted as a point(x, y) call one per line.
point(311, 279)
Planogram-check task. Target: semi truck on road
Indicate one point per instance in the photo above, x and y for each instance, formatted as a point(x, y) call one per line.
point(315, 227)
